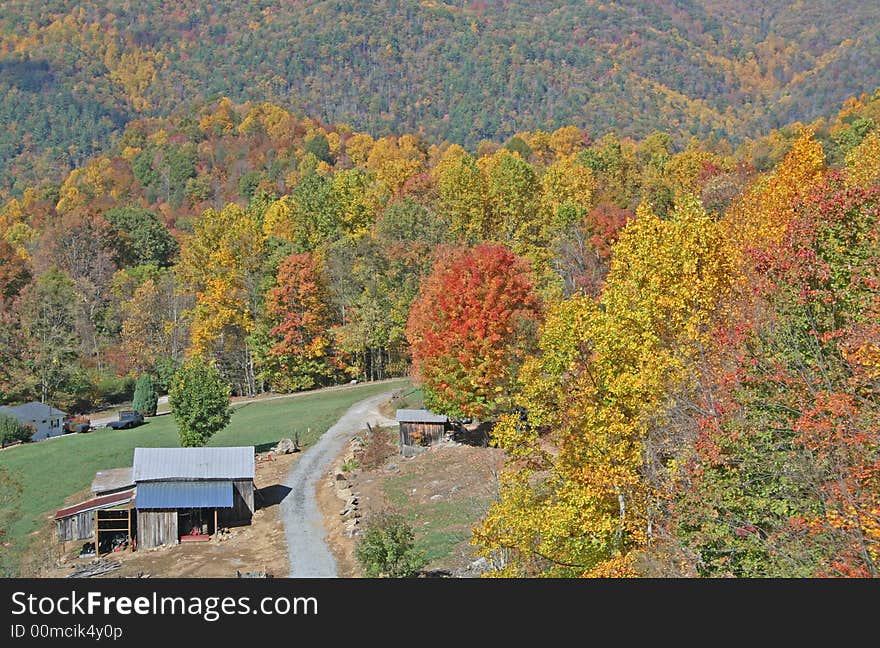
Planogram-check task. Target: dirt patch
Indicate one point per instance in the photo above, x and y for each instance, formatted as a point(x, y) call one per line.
point(258, 547)
point(442, 492)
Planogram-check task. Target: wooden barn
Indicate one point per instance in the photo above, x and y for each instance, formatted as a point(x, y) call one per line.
point(420, 427)
point(186, 494)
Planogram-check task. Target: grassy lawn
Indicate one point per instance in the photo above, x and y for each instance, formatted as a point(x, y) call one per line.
point(441, 526)
point(50, 471)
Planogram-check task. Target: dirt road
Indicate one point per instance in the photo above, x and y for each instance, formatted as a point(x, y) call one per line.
point(309, 554)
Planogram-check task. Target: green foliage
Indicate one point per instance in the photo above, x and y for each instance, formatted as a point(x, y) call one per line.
point(199, 399)
point(10, 503)
point(318, 146)
point(408, 221)
point(351, 464)
point(146, 399)
point(48, 322)
point(141, 237)
point(518, 145)
point(113, 389)
point(11, 430)
point(166, 367)
point(387, 549)
point(247, 184)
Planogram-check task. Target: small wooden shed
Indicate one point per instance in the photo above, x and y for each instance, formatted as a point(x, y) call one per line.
point(181, 490)
point(420, 427)
point(88, 520)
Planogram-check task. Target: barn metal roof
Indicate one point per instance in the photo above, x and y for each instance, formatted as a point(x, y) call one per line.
point(419, 416)
point(184, 494)
point(168, 464)
point(107, 501)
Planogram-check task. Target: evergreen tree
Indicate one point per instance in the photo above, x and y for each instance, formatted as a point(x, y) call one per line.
point(146, 399)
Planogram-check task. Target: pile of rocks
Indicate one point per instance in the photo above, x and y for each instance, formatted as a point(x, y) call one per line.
point(344, 487)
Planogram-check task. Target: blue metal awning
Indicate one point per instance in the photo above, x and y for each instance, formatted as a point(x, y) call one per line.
point(184, 494)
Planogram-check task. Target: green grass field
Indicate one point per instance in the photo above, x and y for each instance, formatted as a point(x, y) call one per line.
point(50, 471)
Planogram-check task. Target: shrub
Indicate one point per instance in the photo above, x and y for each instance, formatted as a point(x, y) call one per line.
point(387, 549)
point(12, 430)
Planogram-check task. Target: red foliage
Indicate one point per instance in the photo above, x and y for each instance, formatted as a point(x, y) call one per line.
point(300, 306)
point(465, 326)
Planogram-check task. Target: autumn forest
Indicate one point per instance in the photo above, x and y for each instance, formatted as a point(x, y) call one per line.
point(673, 323)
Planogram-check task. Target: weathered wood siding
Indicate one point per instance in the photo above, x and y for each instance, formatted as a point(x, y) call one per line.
point(76, 527)
point(423, 434)
point(243, 499)
point(156, 528)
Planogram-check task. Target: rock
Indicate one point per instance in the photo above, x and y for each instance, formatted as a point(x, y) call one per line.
point(474, 570)
point(285, 446)
point(341, 477)
point(435, 497)
point(345, 512)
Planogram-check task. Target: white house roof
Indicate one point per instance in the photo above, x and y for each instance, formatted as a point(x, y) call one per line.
point(419, 416)
point(33, 411)
point(180, 464)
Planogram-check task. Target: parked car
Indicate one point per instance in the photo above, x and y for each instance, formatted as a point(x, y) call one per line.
point(127, 419)
point(77, 424)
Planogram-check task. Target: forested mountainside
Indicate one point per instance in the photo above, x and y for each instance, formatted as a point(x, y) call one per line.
point(678, 349)
point(73, 74)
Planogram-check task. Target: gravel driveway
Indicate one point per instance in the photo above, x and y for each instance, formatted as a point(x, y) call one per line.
point(309, 554)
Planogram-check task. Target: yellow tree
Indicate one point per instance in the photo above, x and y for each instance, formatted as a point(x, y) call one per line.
point(567, 141)
point(395, 160)
point(567, 183)
point(462, 188)
point(762, 215)
point(221, 263)
point(576, 498)
point(863, 162)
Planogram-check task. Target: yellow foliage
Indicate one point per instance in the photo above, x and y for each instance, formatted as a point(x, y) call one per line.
point(219, 262)
point(275, 122)
point(84, 184)
point(598, 385)
point(762, 215)
point(567, 181)
point(539, 142)
point(334, 141)
point(863, 162)
point(222, 120)
point(278, 220)
point(395, 160)
point(358, 148)
point(566, 141)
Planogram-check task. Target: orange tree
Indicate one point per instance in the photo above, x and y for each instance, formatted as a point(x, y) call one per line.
point(468, 328)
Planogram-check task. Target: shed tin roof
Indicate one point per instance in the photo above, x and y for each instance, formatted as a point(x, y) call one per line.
point(107, 501)
point(419, 416)
point(167, 464)
point(111, 479)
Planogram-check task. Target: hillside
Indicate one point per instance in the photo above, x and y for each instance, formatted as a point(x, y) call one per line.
point(72, 76)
